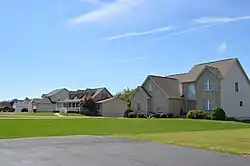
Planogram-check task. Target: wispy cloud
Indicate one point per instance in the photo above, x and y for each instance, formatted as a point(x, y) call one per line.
point(185, 31)
point(106, 11)
point(220, 20)
point(131, 59)
point(144, 33)
point(205, 23)
point(222, 47)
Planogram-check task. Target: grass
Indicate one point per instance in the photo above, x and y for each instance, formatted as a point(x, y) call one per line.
point(228, 141)
point(230, 137)
point(35, 114)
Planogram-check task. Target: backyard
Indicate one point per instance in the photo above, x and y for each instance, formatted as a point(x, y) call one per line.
point(229, 137)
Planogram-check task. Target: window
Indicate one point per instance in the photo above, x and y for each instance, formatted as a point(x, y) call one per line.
point(241, 103)
point(191, 92)
point(236, 87)
point(208, 104)
point(150, 87)
point(207, 85)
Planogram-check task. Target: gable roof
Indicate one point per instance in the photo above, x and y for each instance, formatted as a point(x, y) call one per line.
point(169, 86)
point(219, 68)
point(53, 92)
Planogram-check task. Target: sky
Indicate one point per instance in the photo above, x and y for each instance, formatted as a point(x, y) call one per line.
point(78, 44)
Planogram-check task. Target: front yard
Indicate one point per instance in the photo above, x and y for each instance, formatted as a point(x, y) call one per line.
point(230, 137)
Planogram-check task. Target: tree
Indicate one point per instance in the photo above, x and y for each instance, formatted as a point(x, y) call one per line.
point(89, 104)
point(126, 95)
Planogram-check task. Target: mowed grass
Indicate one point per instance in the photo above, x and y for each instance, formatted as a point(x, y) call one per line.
point(230, 137)
point(228, 141)
point(36, 114)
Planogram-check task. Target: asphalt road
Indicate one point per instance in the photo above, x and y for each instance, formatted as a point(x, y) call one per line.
point(105, 151)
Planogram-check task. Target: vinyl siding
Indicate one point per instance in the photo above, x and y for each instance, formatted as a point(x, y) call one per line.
point(230, 100)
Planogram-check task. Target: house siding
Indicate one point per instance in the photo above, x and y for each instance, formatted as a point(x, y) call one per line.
point(46, 107)
point(159, 101)
point(175, 106)
point(211, 95)
point(200, 94)
point(113, 108)
point(230, 99)
point(138, 97)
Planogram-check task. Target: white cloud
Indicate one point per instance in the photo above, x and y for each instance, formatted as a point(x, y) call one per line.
point(182, 32)
point(131, 59)
point(207, 22)
point(106, 11)
point(222, 47)
point(212, 20)
point(144, 33)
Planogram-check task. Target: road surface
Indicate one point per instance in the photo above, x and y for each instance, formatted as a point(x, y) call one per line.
point(106, 151)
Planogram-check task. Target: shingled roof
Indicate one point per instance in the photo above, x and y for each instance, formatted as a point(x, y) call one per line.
point(170, 86)
point(219, 68)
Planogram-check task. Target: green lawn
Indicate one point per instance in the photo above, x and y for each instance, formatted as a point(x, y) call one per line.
point(229, 137)
point(35, 114)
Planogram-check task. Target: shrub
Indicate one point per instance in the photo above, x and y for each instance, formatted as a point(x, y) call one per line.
point(157, 115)
point(141, 115)
point(196, 114)
point(127, 111)
point(170, 115)
point(132, 115)
point(218, 114)
point(163, 115)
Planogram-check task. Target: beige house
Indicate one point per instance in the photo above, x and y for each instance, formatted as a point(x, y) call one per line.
point(112, 107)
point(221, 83)
point(158, 94)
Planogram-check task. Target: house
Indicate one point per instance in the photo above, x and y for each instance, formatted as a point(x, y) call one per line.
point(72, 103)
point(45, 104)
point(205, 86)
point(112, 107)
point(158, 94)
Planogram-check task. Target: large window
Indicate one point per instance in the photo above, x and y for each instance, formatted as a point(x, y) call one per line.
point(208, 104)
point(191, 92)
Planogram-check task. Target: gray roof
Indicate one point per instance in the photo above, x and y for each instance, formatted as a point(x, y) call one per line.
point(170, 86)
point(74, 98)
point(54, 92)
point(219, 68)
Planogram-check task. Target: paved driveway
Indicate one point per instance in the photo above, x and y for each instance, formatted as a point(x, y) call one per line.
point(105, 151)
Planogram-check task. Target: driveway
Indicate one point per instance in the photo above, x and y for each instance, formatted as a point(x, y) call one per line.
point(106, 151)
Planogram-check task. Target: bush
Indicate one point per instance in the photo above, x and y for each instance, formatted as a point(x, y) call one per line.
point(132, 115)
point(157, 115)
point(141, 115)
point(170, 115)
point(163, 115)
point(127, 111)
point(218, 114)
point(196, 114)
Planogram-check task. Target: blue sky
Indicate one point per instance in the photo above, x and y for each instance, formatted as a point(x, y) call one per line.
point(51, 44)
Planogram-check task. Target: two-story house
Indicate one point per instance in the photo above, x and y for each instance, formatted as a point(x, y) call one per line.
point(221, 83)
